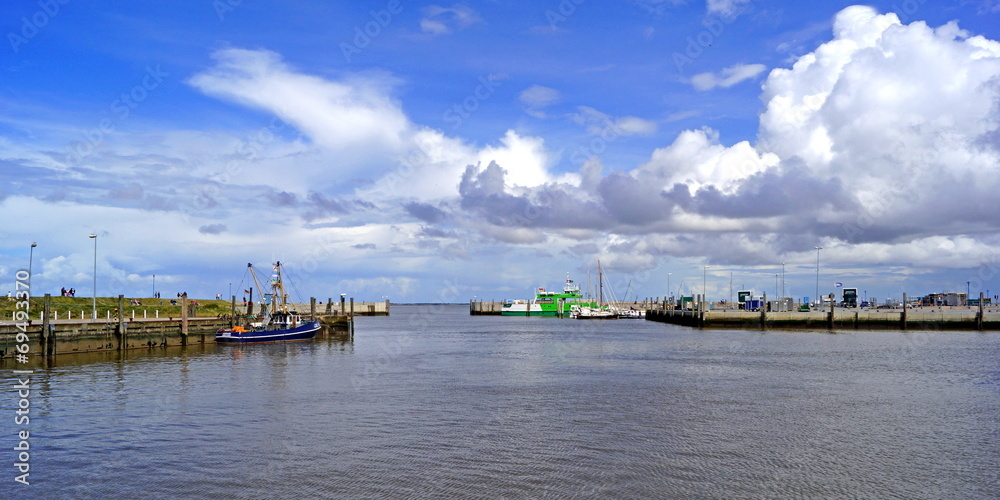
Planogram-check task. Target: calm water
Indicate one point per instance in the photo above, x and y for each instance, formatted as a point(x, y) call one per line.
point(444, 405)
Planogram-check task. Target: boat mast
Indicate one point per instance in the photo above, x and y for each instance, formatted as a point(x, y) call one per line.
point(600, 281)
point(284, 296)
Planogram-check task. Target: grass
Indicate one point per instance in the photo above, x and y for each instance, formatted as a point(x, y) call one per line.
point(64, 305)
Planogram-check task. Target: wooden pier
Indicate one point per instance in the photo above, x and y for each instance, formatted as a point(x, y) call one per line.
point(47, 336)
point(840, 319)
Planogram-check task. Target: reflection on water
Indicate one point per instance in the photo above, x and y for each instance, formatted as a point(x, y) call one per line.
point(524, 407)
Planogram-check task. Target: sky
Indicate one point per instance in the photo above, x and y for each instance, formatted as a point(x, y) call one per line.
point(442, 152)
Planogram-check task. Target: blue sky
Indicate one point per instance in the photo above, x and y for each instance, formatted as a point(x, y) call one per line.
point(442, 151)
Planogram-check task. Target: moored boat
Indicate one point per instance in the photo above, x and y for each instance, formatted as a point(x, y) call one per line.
point(600, 310)
point(548, 303)
point(274, 325)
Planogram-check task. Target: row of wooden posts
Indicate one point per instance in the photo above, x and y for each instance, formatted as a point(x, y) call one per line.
point(48, 336)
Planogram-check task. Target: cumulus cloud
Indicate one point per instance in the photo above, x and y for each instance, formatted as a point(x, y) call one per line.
point(883, 136)
point(440, 20)
point(727, 77)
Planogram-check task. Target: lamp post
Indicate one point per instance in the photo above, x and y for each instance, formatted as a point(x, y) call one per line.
point(967, 290)
point(782, 280)
point(818, 248)
point(31, 254)
point(154, 286)
point(94, 313)
point(776, 283)
point(668, 289)
point(704, 283)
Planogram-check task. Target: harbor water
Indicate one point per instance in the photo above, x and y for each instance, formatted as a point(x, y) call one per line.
point(434, 403)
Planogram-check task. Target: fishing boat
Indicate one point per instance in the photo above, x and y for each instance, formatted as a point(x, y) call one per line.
point(274, 323)
point(548, 303)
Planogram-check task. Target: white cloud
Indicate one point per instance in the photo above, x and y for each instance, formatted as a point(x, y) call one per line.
point(524, 158)
point(727, 77)
point(440, 20)
point(726, 8)
point(347, 114)
point(536, 97)
point(599, 123)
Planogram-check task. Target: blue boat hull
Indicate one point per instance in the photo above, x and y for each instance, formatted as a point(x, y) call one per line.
point(305, 331)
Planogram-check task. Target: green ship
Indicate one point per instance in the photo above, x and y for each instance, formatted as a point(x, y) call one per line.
point(547, 303)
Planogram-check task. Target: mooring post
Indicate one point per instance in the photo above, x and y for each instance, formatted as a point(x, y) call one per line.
point(701, 311)
point(763, 312)
point(122, 340)
point(902, 318)
point(232, 314)
point(352, 318)
point(329, 305)
point(47, 341)
point(979, 317)
point(387, 307)
point(829, 320)
point(312, 308)
point(184, 320)
point(343, 310)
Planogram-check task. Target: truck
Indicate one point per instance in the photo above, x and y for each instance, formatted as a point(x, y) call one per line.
point(850, 297)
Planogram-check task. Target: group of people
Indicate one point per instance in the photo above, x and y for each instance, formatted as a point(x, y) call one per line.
point(68, 292)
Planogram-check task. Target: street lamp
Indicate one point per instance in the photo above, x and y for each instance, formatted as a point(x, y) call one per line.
point(668, 289)
point(31, 254)
point(818, 248)
point(782, 280)
point(704, 283)
point(94, 236)
point(967, 289)
point(776, 284)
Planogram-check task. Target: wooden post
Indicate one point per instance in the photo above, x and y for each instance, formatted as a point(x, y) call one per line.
point(902, 318)
point(312, 308)
point(387, 307)
point(352, 318)
point(232, 314)
point(48, 343)
point(329, 305)
point(184, 320)
point(979, 317)
point(829, 320)
point(122, 337)
point(343, 310)
point(763, 312)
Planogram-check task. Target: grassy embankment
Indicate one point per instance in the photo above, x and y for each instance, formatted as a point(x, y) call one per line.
point(63, 305)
